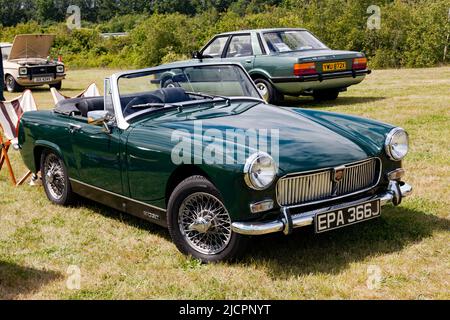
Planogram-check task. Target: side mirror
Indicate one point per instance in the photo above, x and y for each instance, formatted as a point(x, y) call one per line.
point(197, 55)
point(99, 118)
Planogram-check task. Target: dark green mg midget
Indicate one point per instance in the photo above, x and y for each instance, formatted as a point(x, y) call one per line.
point(208, 158)
point(288, 62)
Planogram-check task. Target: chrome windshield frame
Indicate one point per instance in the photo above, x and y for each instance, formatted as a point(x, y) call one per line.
point(114, 83)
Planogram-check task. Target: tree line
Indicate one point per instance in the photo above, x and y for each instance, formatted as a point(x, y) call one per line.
point(394, 33)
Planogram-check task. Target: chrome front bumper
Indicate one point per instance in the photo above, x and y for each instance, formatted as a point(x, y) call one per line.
point(396, 191)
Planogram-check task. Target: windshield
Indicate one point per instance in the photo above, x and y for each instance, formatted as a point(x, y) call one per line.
point(5, 52)
point(153, 90)
point(292, 40)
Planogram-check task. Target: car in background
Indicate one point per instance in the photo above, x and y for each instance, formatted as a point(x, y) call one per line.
point(204, 155)
point(26, 63)
point(288, 62)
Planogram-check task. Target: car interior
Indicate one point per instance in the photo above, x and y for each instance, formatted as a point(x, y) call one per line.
point(81, 106)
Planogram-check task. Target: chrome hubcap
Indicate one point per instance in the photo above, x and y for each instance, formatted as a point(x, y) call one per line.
point(205, 223)
point(54, 176)
point(263, 90)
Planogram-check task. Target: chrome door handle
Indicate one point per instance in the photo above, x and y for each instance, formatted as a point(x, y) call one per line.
point(74, 128)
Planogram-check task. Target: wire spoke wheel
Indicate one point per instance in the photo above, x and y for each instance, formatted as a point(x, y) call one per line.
point(205, 223)
point(54, 176)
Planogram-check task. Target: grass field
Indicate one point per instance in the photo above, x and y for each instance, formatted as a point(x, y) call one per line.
point(120, 256)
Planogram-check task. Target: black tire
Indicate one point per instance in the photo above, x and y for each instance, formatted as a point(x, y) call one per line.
point(231, 245)
point(57, 85)
point(326, 95)
point(268, 91)
point(11, 84)
point(55, 179)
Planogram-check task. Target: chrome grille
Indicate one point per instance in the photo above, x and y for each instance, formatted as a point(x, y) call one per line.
point(318, 186)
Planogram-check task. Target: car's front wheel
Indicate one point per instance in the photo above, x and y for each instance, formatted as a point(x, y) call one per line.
point(11, 84)
point(55, 179)
point(199, 223)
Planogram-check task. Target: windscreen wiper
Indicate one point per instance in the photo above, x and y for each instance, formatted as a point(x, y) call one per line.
point(210, 96)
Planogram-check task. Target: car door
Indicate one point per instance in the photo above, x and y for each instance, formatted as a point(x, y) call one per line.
point(97, 154)
point(240, 49)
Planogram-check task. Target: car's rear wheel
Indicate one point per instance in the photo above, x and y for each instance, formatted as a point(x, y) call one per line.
point(326, 95)
point(55, 179)
point(268, 91)
point(11, 84)
point(199, 223)
point(57, 85)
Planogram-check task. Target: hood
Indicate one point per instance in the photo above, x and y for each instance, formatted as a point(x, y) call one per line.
point(36, 46)
point(304, 142)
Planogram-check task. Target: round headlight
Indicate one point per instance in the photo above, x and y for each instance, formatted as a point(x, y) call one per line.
point(396, 144)
point(60, 69)
point(260, 171)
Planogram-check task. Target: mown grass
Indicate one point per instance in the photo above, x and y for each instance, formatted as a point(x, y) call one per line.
point(123, 257)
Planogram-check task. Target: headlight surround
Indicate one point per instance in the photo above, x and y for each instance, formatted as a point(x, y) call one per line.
point(260, 171)
point(60, 69)
point(396, 144)
point(23, 71)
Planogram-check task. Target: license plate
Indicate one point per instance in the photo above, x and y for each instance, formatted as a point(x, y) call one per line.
point(42, 79)
point(334, 66)
point(346, 216)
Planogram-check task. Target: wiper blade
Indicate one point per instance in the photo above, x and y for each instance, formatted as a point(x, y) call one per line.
point(209, 96)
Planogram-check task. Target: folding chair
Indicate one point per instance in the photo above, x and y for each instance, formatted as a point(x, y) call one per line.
point(10, 113)
point(91, 91)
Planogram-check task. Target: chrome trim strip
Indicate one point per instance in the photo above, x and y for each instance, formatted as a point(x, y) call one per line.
point(117, 195)
point(307, 218)
point(325, 170)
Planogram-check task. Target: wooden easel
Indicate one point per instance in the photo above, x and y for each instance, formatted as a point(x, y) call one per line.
point(5, 159)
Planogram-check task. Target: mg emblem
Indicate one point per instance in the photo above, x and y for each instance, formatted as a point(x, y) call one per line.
point(338, 174)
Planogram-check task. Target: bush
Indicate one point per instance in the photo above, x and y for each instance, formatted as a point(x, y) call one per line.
point(412, 34)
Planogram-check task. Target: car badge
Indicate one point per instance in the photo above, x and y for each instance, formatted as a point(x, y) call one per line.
point(338, 174)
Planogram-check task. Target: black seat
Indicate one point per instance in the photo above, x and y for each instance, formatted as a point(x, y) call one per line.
point(80, 106)
point(90, 104)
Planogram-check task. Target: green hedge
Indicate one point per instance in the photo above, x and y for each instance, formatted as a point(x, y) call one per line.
point(412, 34)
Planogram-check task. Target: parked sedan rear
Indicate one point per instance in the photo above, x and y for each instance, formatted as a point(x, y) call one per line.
point(289, 62)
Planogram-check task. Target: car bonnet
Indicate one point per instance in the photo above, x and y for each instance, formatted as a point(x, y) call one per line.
point(31, 46)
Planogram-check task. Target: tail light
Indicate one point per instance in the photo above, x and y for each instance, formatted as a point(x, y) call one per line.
point(301, 69)
point(359, 63)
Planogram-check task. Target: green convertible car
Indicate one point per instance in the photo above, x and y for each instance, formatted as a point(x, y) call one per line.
point(288, 62)
point(208, 158)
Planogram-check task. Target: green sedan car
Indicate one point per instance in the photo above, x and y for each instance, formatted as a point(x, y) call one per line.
point(288, 62)
point(211, 160)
